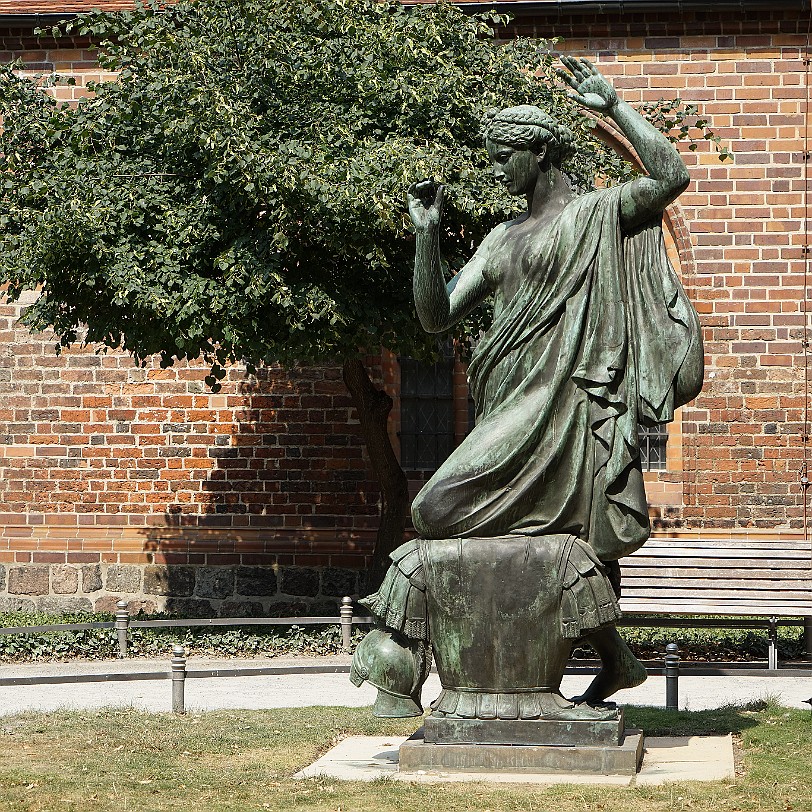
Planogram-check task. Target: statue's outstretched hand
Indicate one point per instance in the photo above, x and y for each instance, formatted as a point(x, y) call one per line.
point(425, 204)
point(590, 88)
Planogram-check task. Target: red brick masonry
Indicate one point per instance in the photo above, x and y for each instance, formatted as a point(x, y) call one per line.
point(100, 459)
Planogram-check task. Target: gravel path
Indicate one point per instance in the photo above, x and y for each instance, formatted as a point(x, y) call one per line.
point(308, 689)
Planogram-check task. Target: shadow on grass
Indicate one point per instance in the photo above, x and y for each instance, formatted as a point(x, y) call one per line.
point(719, 721)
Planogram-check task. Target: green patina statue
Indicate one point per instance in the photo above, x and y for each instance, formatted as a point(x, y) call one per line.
point(522, 526)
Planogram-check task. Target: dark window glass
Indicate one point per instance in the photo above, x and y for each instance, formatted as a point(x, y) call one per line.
point(426, 412)
point(653, 440)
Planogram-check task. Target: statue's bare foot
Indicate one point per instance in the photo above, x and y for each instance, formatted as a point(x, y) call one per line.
point(554, 706)
point(621, 669)
point(605, 684)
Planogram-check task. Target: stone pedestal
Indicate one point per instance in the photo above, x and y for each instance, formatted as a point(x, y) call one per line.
point(500, 615)
point(449, 730)
point(596, 759)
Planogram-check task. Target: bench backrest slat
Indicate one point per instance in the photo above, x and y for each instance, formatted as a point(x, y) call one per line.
point(745, 576)
point(754, 578)
point(736, 609)
point(789, 565)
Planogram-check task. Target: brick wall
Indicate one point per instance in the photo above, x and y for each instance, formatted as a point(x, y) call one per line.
point(106, 466)
point(119, 482)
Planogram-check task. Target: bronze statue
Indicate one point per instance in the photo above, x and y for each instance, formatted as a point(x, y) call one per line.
point(519, 528)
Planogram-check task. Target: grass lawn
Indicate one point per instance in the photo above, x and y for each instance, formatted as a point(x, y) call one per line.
point(128, 761)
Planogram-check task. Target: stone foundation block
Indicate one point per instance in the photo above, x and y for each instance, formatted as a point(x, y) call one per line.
point(91, 578)
point(122, 578)
point(255, 581)
point(327, 608)
point(288, 609)
point(300, 581)
point(107, 603)
point(337, 583)
point(57, 604)
point(64, 580)
point(190, 607)
point(16, 605)
point(29, 580)
point(215, 582)
point(241, 609)
point(176, 582)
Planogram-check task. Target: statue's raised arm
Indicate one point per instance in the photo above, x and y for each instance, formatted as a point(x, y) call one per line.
point(439, 306)
point(667, 178)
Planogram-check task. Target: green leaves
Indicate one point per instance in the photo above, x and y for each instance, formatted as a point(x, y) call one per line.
point(681, 121)
point(238, 192)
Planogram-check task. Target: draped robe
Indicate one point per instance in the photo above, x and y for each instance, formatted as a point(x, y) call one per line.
point(599, 336)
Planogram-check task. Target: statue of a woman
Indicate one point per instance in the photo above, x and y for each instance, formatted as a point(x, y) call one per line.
point(592, 335)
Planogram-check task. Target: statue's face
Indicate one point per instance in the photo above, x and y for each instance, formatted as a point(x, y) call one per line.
point(516, 169)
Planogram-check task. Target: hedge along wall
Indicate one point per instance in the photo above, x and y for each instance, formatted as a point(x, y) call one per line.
point(138, 483)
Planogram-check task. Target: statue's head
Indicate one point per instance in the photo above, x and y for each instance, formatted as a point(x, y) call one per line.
point(523, 141)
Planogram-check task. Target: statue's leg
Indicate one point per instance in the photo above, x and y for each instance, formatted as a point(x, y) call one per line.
point(619, 667)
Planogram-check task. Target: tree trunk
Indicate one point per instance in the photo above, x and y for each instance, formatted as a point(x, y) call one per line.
point(373, 407)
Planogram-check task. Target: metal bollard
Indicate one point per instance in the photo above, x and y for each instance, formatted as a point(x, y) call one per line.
point(178, 679)
point(672, 677)
point(772, 651)
point(346, 622)
point(122, 624)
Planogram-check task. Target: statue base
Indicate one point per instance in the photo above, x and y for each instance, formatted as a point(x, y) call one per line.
point(595, 759)
point(448, 730)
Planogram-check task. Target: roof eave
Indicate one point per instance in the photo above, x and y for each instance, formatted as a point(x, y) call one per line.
point(522, 6)
point(34, 20)
point(615, 6)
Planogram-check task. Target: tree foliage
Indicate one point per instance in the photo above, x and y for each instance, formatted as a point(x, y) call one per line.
point(237, 194)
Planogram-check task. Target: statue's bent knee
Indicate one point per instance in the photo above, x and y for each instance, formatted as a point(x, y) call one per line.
point(430, 513)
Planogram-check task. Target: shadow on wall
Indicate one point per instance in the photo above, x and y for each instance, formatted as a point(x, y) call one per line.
point(282, 520)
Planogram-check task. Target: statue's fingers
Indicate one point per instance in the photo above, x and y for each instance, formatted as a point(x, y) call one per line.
point(439, 196)
point(567, 78)
point(574, 66)
point(593, 71)
point(577, 97)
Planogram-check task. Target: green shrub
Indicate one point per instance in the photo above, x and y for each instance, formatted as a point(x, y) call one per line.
point(708, 644)
point(277, 641)
point(101, 644)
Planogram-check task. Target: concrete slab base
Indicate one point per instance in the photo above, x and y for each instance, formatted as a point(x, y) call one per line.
point(370, 758)
point(682, 758)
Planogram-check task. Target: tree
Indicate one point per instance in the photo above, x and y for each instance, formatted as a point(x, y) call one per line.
point(237, 194)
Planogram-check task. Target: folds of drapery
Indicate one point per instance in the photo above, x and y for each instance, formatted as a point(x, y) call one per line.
point(599, 336)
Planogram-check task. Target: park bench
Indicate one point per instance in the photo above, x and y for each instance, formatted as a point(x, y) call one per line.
point(752, 581)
